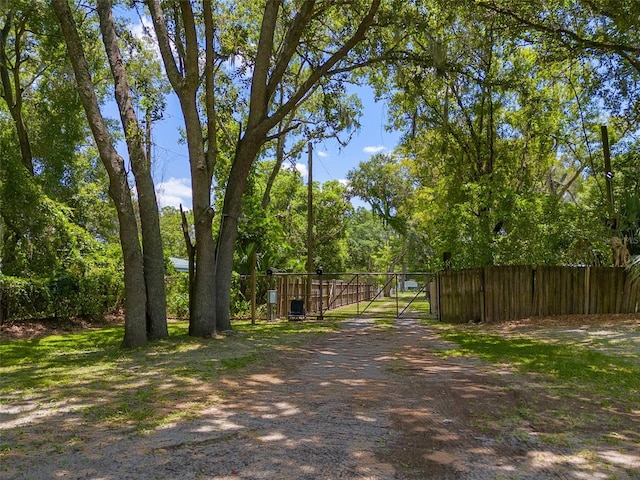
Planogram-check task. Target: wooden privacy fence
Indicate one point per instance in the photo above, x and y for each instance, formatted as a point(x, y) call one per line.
point(496, 294)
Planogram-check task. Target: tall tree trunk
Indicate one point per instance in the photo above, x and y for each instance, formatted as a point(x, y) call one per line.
point(141, 166)
point(265, 80)
point(185, 80)
point(203, 322)
point(135, 293)
point(246, 153)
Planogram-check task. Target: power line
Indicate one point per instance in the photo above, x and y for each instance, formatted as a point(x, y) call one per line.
point(325, 168)
point(166, 150)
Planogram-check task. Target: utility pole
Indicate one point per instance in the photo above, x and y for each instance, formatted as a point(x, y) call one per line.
point(309, 226)
point(608, 175)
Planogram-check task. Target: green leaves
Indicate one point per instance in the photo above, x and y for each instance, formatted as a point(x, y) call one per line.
point(501, 131)
point(385, 184)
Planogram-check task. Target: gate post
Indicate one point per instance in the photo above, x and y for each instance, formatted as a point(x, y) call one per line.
point(357, 294)
point(319, 272)
point(397, 307)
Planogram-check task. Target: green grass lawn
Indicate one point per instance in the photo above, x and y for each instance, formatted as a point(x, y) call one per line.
point(176, 377)
point(142, 387)
point(580, 368)
point(139, 387)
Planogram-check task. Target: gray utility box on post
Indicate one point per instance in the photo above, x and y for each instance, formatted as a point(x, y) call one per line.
point(272, 296)
point(272, 304)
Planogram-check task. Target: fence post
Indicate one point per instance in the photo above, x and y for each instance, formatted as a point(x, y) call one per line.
point(397, 307)
point(254, 273)
point(319, 272)
point(436, 296)
point(358, 294)
point(483, 305)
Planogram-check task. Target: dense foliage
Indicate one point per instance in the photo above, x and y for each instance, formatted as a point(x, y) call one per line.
point(500, 103)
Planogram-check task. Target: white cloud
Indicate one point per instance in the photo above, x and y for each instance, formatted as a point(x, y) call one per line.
point(374, 149)
point(302, 168)
point(344, 182)
point(144, 30)
point(174, 192)
point(323, 154)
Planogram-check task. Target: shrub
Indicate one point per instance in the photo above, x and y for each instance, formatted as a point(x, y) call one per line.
point(178, 296)
point(62, 296)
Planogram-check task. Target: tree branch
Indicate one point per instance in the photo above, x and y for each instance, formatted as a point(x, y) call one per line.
point(289, 45)
point(326, 67)
point(625, 51)
point(164, 43)
point(209, 95)
point(258, 95)
point(192, 69)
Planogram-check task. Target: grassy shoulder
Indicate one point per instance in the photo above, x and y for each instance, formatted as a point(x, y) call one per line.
point(145, 387)
point(578, 367)
point(579, 387)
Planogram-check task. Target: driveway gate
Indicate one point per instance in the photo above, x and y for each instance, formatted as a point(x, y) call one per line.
point(342, 295)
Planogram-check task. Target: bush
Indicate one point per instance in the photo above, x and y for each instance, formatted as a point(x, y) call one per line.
point(240, 297)
point(62, 296)
point(178, 296)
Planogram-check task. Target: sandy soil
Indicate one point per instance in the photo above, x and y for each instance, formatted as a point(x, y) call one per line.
point(362, 403)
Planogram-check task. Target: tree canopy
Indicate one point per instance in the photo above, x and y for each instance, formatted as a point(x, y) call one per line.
point(500, 105)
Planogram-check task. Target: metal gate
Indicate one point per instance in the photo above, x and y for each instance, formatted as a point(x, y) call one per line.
point(322, 295)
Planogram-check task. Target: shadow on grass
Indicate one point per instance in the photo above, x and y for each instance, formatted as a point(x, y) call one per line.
point(326, 422)
point(63, 387)
point(90, 366)
point(607, 374)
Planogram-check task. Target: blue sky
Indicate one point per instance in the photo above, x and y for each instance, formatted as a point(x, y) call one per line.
point(331, 161)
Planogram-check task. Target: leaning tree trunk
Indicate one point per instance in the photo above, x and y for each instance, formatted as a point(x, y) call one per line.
point(135, 293)
point(202, 323)
point(135, 331)
point(149, 218)
point(246, 152)
point(12, 93)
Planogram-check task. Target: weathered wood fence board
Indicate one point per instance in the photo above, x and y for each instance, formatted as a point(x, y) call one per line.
point(495, 294)
point(461, 295)
point(631, 296)
point(507, 293)
point(559, 291)
point(335, 293)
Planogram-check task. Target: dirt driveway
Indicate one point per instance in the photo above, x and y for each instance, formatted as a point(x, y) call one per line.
point(366, 402)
